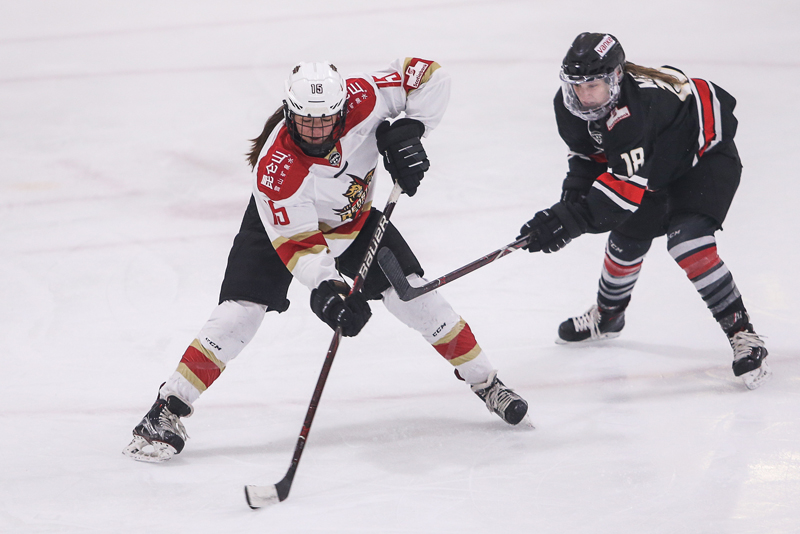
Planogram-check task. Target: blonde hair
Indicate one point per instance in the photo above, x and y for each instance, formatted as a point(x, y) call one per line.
point(647, 72)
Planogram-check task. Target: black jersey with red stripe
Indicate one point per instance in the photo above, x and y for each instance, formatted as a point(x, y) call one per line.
point(655, 134)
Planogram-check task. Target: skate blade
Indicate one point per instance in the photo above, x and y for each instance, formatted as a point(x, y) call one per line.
point(757, 377)
point(142, 450)
point(601, 337)
point(261, 496)
point(526, 423)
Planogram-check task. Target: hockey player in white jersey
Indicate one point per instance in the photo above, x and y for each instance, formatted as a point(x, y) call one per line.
point(310, 219)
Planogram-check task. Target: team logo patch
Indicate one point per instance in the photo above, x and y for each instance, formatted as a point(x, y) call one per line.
point(356, 195)
point(335, 157)
point(605, 45)
point(616, 115)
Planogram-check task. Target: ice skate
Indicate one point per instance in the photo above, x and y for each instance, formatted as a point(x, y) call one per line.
point(597, 323)
point(501, 399)
point(748, 358)
point(160, 435)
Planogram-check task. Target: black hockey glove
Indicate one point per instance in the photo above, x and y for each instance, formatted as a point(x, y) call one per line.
point(552, 229)
point(403, 154)
point(331, 304)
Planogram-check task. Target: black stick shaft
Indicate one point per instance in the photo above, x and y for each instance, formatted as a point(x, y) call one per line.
point(285, 484)
point(404, 290)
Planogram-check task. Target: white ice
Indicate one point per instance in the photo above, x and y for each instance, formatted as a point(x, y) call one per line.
point(122, 132)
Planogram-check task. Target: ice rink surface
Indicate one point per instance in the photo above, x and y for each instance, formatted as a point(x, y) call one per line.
point(122, 132)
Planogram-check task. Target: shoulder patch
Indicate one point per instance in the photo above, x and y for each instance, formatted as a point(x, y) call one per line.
point(616, 115)
point(416, 72)
point(281, 171)
point(361, 100)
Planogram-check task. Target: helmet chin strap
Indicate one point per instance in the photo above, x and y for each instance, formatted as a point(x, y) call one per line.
point(316, 150)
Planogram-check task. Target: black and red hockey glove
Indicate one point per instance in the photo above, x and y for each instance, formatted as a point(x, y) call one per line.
point(403, 154)
point(552, 229)
point(331, 303)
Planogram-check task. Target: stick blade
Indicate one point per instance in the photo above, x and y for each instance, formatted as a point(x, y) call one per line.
point(394, 273)
point(261, 496)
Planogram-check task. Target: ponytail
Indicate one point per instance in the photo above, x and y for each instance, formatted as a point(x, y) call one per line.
point(258, 143)
point(647, 72)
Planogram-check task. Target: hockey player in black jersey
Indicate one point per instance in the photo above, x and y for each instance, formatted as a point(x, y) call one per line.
point(651, 153)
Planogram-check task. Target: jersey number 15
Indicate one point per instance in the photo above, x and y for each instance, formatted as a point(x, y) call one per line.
point(279, 215)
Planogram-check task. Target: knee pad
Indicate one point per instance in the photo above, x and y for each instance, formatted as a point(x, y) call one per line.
point(626, 249)
point(232, 325)
point(688, 226)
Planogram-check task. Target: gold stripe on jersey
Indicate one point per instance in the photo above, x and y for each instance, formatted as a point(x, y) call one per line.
point(292, 249)
point(297, 237)
point(292, 263)
point(331, 232)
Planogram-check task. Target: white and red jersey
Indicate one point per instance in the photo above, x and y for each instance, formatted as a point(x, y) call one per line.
point(313, 208)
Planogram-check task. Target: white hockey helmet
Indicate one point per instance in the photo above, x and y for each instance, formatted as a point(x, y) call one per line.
point(315, 90)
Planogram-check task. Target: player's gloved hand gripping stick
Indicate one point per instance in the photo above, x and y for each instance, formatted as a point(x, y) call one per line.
point(394, 273)
point(258, 496)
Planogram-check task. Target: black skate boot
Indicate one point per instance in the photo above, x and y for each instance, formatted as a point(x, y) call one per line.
point(501, 400)
point(597, 323)
point(160, 435)
point(748, 358)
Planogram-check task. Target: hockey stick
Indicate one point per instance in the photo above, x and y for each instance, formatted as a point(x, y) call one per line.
point(394, 273)
point(259, 496)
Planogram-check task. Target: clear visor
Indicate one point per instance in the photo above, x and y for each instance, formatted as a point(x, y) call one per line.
point(591, 97)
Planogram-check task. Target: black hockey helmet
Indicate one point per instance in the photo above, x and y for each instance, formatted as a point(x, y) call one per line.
point(592, 54)
point(593, 68)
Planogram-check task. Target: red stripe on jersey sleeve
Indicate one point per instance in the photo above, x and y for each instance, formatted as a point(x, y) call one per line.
point(707, 108)
point(287, 250)
point(204, 369)
point(700, 262)
point(627, 190)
